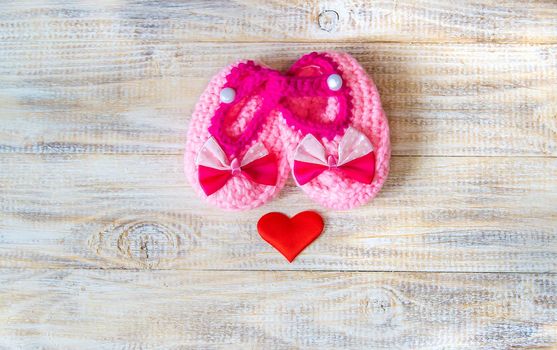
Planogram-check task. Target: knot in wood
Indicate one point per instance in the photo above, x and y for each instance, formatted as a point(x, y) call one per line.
point(328, 20)
point(147, 243)
point(380, 307)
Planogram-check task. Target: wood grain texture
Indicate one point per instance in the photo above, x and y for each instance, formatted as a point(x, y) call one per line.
point(136, 97)
point(136, 211)
point(92, 309)
point(103, 245)
point(294, 20)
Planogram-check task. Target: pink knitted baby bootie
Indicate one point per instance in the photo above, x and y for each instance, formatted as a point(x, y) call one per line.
point(334, 129)
point(234, 155)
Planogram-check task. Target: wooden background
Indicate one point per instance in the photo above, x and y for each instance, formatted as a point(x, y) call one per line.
point(103, 244)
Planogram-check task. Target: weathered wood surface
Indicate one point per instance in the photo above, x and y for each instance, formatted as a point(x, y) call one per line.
point(136, 211)
point(104, 245)
point(441, 99)
point(298, 20)
point(93, 309)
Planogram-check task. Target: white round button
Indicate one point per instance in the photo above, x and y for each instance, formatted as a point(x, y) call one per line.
point(227, 95)
point(334, 81)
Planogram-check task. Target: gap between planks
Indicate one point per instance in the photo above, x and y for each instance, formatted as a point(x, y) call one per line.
point(310, 270)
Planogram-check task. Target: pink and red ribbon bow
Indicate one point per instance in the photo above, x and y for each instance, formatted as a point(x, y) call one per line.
point(356, 159)
point(258, 165)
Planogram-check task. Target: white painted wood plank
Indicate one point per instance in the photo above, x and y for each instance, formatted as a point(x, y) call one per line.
point(284, 21)
point(134, 97)
point(137, 211)
point(93, 309)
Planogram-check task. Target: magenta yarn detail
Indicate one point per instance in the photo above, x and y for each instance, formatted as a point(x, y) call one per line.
point(246, 79)
point(317, 86)
point(251, 79)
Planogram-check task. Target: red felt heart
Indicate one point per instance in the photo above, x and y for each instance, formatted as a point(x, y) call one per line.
point(290, 235)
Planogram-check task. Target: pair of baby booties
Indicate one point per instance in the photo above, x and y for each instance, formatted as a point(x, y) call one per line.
point(322, 120)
